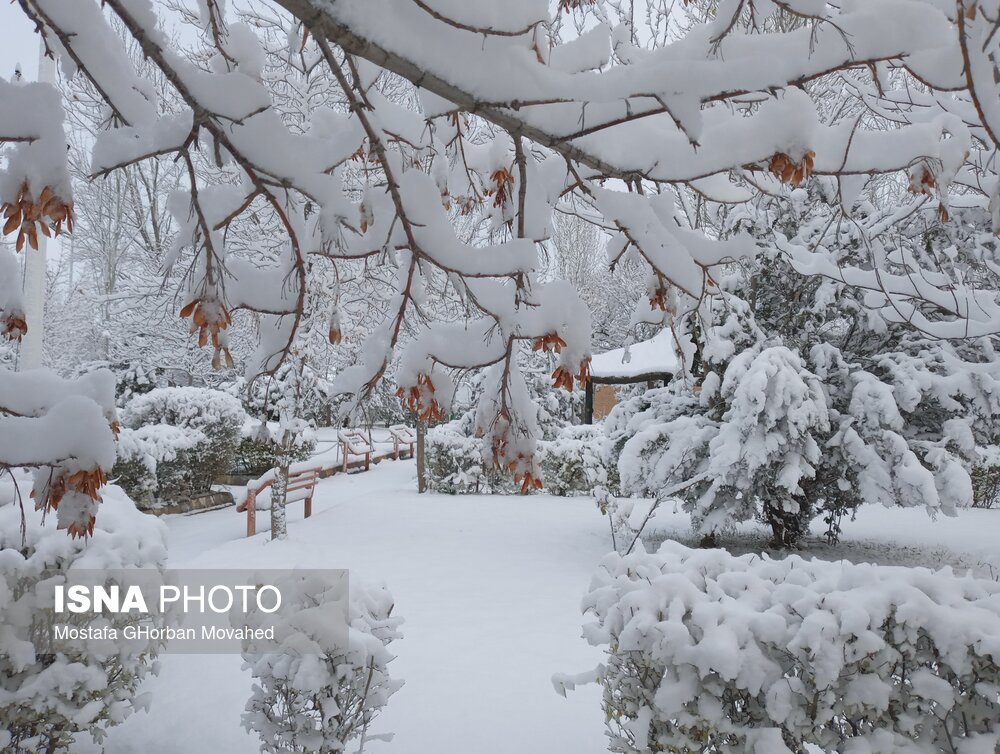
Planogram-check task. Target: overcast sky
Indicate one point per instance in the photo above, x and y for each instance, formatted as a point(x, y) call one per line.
point(18, 42)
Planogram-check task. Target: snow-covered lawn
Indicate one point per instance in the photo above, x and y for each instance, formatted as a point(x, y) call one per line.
point(888, 536)
point(490, 587)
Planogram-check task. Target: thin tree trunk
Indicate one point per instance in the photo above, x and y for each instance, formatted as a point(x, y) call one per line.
point(421, 456)
point(279, 490)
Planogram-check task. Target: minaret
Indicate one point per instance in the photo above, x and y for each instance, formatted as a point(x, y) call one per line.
point(35, 262)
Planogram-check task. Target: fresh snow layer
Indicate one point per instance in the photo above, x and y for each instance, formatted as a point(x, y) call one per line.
point(490, 591)
point(490, 588)
point(658, 354)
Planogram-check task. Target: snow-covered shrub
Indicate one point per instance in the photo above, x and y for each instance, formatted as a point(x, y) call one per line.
point(256, 452)
point(454, 461)
point(48, 699)
point(320, 693)
point(986, 483)
point(134, 379)
point(708, 652)
point(572, 461)
point(218, 416)
point(157, 463)
point(749, 457)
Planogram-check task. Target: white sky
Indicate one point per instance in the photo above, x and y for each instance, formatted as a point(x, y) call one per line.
point(18, 42)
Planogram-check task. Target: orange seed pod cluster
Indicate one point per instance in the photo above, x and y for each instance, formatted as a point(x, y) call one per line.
point(209, 318)
point(503, 182)
point(420, 400)
point(86, 482)
point(14, 327)
point(550, 341)
point(786, 170)
point(30, 216)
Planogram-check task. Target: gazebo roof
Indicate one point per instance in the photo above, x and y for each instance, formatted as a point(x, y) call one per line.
point(648, 359)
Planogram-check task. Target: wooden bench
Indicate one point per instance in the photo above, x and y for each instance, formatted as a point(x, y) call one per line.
point(301, 483)
point(354, 442)
point(402, 436)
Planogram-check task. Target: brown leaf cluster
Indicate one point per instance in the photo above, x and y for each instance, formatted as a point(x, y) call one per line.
point(414, 400)
point(520, 466)
point(550, 341)
point(366, 216)
point(14, 327)
point(87, 482)
point(786, 170)
point(563, 378)
point(30, 216)
point(922, 181)
point(209, 318)
point(503, 183)
point(527, 480)
point(658, 299)
point(466, 205)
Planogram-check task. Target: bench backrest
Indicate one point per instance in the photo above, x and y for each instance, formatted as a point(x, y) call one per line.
point(402, 434)
point(356, 442)
point(300, 486)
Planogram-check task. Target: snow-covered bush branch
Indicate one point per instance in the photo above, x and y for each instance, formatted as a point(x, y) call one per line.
point(46, 700)
point(708, 652)
point(320, 694)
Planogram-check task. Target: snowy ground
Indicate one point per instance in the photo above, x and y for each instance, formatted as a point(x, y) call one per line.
point(888, 536)
point(490, 589)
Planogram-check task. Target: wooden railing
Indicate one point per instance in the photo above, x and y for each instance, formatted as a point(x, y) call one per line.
point(357, 451)
point(301, 483)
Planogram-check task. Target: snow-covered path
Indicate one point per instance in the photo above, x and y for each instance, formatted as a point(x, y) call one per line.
point(490, 589)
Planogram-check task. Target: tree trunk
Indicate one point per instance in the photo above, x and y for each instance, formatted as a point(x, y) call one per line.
point(421, 456)
point(279, 490)
point(787, 527)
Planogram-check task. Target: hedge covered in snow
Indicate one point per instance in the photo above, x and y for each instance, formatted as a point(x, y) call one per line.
point(322, 693)
point(176, 442)
point(157, 463)
point(708, 652)
point(47, 700)
point(571, 463)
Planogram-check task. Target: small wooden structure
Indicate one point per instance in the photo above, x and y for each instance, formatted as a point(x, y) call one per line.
point(650, 361)
point(354, 442)
point(301, 483)
point(402, 437)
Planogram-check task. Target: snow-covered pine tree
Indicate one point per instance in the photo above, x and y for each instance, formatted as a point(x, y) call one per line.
point(807, 402)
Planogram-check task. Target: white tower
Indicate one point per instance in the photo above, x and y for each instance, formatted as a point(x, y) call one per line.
point(35, 265)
